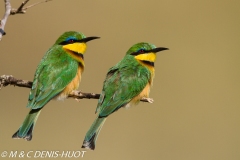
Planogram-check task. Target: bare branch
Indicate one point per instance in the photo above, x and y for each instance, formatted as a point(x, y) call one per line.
point(22, 10)
point(81, 95)
point(36, 4)
point(6, 80)
point(11, 11)
point(5, 17)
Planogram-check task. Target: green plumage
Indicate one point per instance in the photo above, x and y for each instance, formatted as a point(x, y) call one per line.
point(123, 82)
point(55, 71)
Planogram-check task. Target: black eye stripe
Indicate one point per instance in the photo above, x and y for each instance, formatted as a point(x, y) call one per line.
point(154, 50)
point(66, 42)
point(70, 41)
point(140, 51)
point(83, 40)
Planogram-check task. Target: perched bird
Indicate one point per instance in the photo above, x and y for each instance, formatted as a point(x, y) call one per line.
point(125, 84)
point(58, 73)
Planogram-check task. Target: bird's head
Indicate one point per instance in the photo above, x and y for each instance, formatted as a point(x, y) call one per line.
point(74, 43)
point(145, 52)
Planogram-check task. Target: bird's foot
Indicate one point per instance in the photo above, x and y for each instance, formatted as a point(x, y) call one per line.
point(77, 99)
point(149, 100)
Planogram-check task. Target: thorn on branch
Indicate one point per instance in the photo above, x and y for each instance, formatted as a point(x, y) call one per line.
point(6, 80)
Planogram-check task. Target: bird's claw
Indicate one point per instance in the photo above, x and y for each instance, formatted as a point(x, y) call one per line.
point(150, 100)
point(78, 100)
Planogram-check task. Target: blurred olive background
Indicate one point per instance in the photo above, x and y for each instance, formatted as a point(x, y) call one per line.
point(195, 115)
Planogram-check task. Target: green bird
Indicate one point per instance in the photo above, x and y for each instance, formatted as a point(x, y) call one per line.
point(125, 84)
point(57, 75)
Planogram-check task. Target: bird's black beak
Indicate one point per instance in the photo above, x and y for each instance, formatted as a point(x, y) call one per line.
point(155, 50)
point(88, 39)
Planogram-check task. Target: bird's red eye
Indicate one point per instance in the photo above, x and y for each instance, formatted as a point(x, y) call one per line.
point(70, 40)
point(141, 51)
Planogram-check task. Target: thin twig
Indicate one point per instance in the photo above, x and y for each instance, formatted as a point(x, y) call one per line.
point(36, 4)
point(6, 80)
point(22, 10)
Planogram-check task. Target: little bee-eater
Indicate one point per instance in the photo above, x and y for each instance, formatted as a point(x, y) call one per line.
point(125, 84)
point(57, 75)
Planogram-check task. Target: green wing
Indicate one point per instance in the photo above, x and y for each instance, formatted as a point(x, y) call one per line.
point(123, 82)
point(54, 73)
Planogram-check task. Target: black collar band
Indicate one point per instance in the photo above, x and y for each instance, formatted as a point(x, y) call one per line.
point(148, 63)
point(78, 54)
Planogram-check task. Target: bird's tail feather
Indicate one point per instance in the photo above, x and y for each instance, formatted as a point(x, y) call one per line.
point(26, 129)
point(92, 134)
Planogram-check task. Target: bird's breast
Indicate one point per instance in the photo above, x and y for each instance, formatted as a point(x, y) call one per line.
point(73, 85)
point(145, 93)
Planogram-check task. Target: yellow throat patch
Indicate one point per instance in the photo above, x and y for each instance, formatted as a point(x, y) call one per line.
point(76, 47)
point(76, 51)
point(151, 57)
